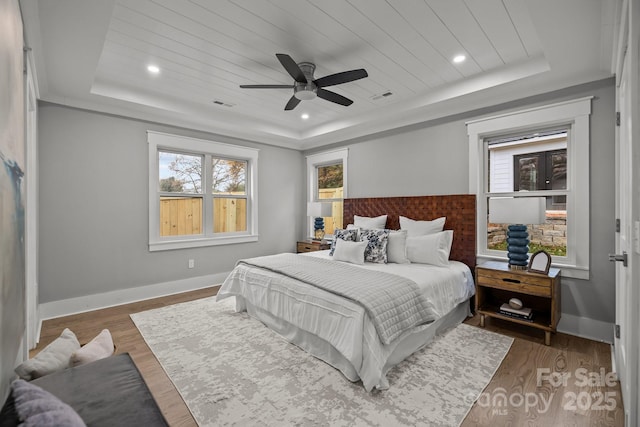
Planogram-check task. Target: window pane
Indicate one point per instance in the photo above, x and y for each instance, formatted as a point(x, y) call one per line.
point(229, 176)
point(550, 236)
point(330, 182)
point(180, 173)
point(180, 216)
point(331, 223)
point(528, 163)
point(229, 215)
point(330, 186)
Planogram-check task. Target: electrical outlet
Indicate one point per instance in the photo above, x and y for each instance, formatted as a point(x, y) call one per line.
point(192, 263)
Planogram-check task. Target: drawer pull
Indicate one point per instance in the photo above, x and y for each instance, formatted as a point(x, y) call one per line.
point(511, 280)
point(308, 248)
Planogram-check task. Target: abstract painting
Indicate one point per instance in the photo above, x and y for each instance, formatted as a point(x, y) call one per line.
point(12, 160)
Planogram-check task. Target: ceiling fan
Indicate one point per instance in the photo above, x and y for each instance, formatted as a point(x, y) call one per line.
point(305, 87)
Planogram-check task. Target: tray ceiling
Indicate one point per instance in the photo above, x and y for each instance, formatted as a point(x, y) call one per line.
point(94, 54)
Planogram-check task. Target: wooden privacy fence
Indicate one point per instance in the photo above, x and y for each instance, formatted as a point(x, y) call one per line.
point(229, 215)
point(335, 221)
point(181, 216)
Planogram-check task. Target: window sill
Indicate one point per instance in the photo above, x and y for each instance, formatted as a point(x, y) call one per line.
point(168, 245)
point(570, 271)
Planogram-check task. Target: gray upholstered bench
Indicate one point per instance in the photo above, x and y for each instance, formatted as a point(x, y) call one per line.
point(108, 392)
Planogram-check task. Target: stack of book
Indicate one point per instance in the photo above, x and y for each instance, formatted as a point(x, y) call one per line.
point(516, 313)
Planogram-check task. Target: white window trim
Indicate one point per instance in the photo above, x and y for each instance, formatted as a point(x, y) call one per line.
point(322, 159)
point(574, 113)
point(159, 140)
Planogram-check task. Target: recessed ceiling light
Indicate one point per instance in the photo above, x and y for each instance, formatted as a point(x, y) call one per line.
point(153, 69)
point(458, 59)
point(304, 116)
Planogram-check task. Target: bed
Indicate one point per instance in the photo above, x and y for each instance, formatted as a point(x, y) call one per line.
point(342, 332)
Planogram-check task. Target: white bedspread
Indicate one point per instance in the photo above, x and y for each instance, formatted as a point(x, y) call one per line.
point(339, 321)
point(394, 303)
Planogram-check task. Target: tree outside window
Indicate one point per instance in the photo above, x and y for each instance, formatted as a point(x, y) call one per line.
point(330, 188)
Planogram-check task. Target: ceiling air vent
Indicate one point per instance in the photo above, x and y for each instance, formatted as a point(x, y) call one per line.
point(215, 101)
point(382, 95)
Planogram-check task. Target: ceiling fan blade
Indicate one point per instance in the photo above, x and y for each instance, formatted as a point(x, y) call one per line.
point(266, 86)
point(293, 103)
point(292, 68)
point(333, 97)
point(339, 78)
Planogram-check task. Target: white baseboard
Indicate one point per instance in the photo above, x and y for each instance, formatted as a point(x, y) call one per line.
point(584, 327)
point(53, 309)
point(39, 327)
point(613, 359)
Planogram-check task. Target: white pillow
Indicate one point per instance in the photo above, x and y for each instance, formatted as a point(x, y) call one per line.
point(430, 249)
point(352, 252)
point(397, 247)
point(369, 223)
point(421, 228)
point(98, 348)
point(54, 357)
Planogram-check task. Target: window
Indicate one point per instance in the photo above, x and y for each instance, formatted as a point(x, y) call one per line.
point(327, 175)
point(201, 193)
point(531, 164)
point(540, 152)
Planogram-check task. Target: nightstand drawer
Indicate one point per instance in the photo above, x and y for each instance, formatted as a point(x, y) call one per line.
point(312, 246)
point(514, 283)
point(520, 276)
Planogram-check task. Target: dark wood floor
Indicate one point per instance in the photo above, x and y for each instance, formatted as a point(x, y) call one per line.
point(572, 404)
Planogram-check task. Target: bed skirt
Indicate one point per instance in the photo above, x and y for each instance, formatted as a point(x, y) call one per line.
point(371, 374)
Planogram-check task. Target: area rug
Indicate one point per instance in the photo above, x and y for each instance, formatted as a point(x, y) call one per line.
point(232, 370)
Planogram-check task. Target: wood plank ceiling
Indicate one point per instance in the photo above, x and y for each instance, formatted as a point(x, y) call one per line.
point(206, 49)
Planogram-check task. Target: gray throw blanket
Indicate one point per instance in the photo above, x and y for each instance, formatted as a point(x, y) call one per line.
point(394, 303)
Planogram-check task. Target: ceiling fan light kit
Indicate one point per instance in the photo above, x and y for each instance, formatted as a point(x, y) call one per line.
point(306, 88)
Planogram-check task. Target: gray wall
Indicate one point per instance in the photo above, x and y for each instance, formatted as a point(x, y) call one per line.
point(94, 214)
point(94, 204)
point(12, 194)
point(432, 158)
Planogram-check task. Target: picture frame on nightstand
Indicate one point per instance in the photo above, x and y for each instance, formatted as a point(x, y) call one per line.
point(540, 262)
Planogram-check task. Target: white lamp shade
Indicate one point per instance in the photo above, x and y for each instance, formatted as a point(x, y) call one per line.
point(319, 209)
point(517, 210)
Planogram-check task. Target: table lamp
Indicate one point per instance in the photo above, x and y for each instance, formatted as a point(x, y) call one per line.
point(319, 210)
point(517, 211)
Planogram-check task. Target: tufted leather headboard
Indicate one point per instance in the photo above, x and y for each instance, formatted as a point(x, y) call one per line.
point(460, 210)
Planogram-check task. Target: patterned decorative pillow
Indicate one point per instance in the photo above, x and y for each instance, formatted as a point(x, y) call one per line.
point(377, 245)
point(348, 235)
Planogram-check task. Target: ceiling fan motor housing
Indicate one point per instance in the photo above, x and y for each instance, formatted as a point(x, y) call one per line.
point(306, 91)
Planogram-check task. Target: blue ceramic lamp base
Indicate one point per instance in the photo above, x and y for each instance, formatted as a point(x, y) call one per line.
point(518, 247)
